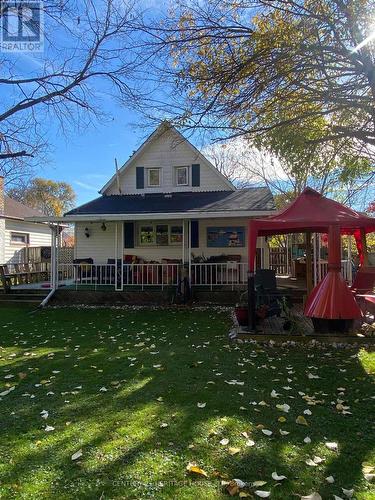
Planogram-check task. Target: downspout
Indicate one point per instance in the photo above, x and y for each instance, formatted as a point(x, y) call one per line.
point(46, 299)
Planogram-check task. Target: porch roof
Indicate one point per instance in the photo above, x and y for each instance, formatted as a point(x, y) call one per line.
point(247, 202)
point(241, 199)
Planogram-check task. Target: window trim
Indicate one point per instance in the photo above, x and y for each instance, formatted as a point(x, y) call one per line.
point(187, 183)
point(148, 177)
point(154, 243)
point(20, 243)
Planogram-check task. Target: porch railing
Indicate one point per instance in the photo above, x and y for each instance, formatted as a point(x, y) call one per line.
point(207, 274)
point(139, 275)
point(230, 274)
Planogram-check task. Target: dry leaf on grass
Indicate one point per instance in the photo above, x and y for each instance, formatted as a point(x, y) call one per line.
point(194, 469)
point(77, 455)
point(301, 420)
point(276, 477)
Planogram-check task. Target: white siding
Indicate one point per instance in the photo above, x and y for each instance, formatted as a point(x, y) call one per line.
point(2, 240)
point(167, 152)
point(39, 235)
point(100, 246)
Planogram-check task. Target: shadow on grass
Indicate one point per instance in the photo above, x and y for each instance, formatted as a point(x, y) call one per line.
point(119, 430)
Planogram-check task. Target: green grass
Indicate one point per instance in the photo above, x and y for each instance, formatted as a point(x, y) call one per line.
point(157, 365)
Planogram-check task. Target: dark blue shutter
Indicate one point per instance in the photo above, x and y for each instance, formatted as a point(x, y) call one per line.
point(196, 175)
point(128, 234)
point(140, 177)
point(194, 234)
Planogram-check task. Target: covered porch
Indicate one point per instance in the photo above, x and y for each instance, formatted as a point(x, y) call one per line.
point(156, 253)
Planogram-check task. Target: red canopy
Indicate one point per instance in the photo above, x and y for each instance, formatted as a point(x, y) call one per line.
point(309, 212)
point(312, 212)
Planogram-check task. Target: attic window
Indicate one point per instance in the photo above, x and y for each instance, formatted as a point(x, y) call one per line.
point(182, 176)
point(153, 177)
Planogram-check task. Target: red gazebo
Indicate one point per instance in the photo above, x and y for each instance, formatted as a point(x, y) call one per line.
point(313, 213)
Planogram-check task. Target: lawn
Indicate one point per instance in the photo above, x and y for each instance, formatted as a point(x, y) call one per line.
point(143, 393)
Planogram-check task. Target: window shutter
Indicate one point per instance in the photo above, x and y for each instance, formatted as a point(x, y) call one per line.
point(194, 234)
point(196, 175)
point(140, 177)
point(128, 234)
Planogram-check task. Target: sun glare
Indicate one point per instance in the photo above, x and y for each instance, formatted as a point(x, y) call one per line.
point(367, 40)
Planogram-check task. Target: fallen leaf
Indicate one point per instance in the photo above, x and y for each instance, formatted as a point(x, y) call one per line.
point(262, 494)
point(348, 493)
point(77, 455)
point(194, 469)
point(301, 420)
point(234, 451)
point(257, 484)
point(276, 477)
point(267, 432)
point(332, 446)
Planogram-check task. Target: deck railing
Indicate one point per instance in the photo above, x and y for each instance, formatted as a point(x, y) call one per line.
point(232, 274)
point(206, 274)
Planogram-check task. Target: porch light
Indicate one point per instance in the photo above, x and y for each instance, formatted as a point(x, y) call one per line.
point(87, 232)
point(103, 227)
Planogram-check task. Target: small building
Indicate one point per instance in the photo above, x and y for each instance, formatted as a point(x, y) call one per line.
point(166, 209)
point(16, 234)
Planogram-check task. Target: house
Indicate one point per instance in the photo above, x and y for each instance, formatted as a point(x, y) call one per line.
point(16, 234)
point(166, 211)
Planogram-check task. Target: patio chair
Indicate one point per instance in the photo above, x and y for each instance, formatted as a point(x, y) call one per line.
point(267, 293)
point(363, 289)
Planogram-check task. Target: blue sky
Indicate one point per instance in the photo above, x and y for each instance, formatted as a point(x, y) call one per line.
point(85, 158)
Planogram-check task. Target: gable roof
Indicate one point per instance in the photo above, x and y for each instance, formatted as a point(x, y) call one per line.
point(250, 199)
point(15, 210)
point(158, 132)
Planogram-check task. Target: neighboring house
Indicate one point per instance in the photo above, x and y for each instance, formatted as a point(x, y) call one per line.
point(167, 205)
point(16, 234)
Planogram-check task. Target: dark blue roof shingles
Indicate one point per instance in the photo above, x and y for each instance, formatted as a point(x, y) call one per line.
point(249, 199)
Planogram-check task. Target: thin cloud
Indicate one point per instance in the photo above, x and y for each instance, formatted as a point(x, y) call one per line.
point(88, 187)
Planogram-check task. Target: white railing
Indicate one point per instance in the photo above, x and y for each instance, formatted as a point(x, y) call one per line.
point(87, 274)
point(231, 274)
point(346, 270)
point(205, 274)
point(140, 275)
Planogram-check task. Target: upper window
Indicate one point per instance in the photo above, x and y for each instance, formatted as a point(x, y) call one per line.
point(153, 177)
point(19, 238)
point(182, 176)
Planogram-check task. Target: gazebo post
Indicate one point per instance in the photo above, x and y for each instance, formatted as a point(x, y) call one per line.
point(364, 248)
point(309, 282)
point(251, 299)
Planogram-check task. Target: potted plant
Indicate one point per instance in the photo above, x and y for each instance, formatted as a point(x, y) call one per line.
point(241, 310)
point(292, 323)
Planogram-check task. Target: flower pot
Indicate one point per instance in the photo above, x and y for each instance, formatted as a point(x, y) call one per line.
point(242, 315)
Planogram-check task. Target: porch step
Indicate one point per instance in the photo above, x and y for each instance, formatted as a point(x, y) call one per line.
point(22, 297)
